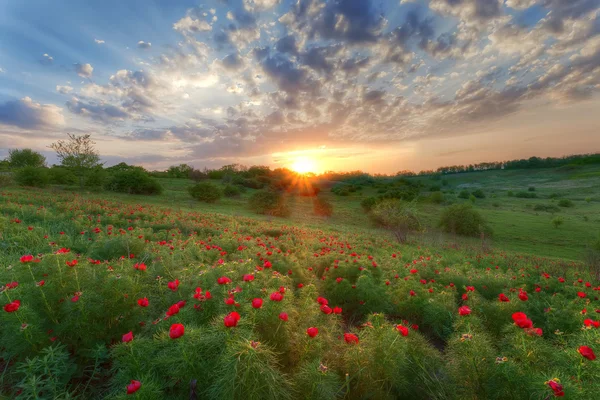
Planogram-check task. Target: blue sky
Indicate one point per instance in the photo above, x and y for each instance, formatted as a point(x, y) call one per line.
point(376, 85)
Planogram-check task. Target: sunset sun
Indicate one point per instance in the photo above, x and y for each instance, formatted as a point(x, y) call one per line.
point(304, 165)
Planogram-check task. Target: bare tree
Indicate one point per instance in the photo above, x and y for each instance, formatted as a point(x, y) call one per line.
point(77, 153)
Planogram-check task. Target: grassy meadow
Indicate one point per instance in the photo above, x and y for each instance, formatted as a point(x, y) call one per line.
point(115, 296)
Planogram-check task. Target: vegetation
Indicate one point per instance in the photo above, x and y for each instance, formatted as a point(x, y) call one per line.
point(322, 207)
point(463, 219)
point(398, 216)
point(134, 181)
point(32, 176)
point(206, 192)
point(20, 158)
point(78, 154)
point(269, 202)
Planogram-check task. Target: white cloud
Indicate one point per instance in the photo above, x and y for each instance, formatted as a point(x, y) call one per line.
point(99, 41)
point(27, 114)
point(188, 24)
point(144, 45)
point(64, 89)
point(84, 70)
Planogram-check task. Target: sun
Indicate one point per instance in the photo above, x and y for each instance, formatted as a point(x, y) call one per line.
point(304, 165)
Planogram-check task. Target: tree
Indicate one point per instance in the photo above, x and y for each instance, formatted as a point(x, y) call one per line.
point(25, 158)
point(181, 171)
point(77, 153)
point(398, 216)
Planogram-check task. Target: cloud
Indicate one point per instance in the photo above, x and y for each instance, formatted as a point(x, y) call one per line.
point(97, 111)
point(232, 62)
point(260, 5)
point(99, 41)
point(192, 23)
point(144, 45)
point(84, 70)
point(46, 59)
point(27, 114)
point(64, 89)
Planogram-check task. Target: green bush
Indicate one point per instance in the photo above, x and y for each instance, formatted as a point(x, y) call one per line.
point(464, 194)
point(557, 221)
point(566, 203)
point(588, 199)
point(510, 193)
point(5, 179)
point(133, 182)
point(526, 195)
point(368, 203)
point(531, 189)
point(472, 198)
point(322, 207)
point(398, 216)
point(96, 178)
point(464, 220)
point(479, 194)
point(269, 202)
point(205, 191)
point(436, 197)
point(32, 176)
point(232, 191)
point(62, 176)
point(551, 208)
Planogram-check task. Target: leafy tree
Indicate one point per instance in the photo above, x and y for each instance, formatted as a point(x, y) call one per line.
point(25, 158)
point(398, 216)
point(135, 181)
point(269, 202)
point(181, 171)
point(205, 191)
point(557, 221)
point(32, 176)
point(77, 153)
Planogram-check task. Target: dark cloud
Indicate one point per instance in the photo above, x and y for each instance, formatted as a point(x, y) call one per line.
point(287, 76)
point(232, 62)
point(27, 114)
point(287, 44)
point(103, 112)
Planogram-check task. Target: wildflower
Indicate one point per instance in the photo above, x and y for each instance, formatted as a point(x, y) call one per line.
point(312, 332)
point(283, 316)
point(231, 319)
point(12, 306)
point(581, 295)
point(176, 331)
point(587, 352)
point(223, 280)
point(133, 387)
point(276, 296)
point(248, 278)
point(40, 283)
point(257, 303)
point(402, 329)
point(326, 309)
point(464, 310)
point(337, 310)
point(27, 258)
point(502, 297)
point(173, 285)
point(466, 336)
point(143, 302)
point(140, 266)
point(350, 338)
point(500, 360)
point(174, 309)
point(128, 337)
point(556, 387)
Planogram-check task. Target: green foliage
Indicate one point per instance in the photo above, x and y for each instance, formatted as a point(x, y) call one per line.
point(269, 202)
point(96, 178)
point(551, 208)
point(510, 193)
point(478, 194)
point(25, 158)
point(32, 176)
point(566, 203)
point(6, 179)
point(588, 199)
point(400, 217)
point(62, 176)
point(133, 181)
point(463, 219)
point(464, 194)
point(232, 191)
point(526, 195)
point(368, 203)
point(531, 189)
point(436, 197)
point(557, 221)
point(181, 171)
point(322, 207)
point(207, 192)
point(77, 153)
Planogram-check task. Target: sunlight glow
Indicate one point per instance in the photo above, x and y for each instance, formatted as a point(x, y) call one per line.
point(304, 165)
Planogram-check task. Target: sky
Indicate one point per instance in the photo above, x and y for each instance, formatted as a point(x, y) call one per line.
point(375, 85)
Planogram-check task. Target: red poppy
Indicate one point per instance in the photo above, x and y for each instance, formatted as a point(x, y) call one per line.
point(128, 337)
point(223, 280)
point(581, 295)
point(412, 293)
point(27, 258)
point(402, 329)
point(502, 297)
point(140, 266)
point(326, 309)
point(556, 387)
point(322, 301)
point(176, 331)
point(350, 338)
point(312, 331)
point(12, 306)
point(174, 309)
point(231, 319)
point(276, 296)
point(133, 387)
point(257, 303)
point(523, 296)
point(587, 352)
point(464, 310)
point(283, 316)
point(173, 285)
point(337, 310)
point(143, 302)
point(248, 278)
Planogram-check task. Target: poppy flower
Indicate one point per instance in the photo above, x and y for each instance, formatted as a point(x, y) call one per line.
point(581, 295)
point(322, 301)
point(248, 278)
point(128, 337)
point(534, 331)
point(257, 303)
point(231, 319)
point(464, 310)
point(143, 302)
point(337, 310)
point(402, 329)
point(140, 266)
point(133, 387)
point(502, 297)
point(276, 296)
point(26, 258)
point(523, 296)
point(587, 352)
point(223, 280)
point(326, 309)
point(283, 316)
point(312, 331)
point(12, 306)
point(176, 331)
point(173, 285)
point(174, 309)
point(556, 387)
point(350, 338)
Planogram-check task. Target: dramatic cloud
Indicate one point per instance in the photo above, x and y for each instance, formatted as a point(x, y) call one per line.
point(27, 114)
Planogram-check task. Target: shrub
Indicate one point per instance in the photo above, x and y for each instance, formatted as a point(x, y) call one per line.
point(398, 216)
point(5, 179)
point(526, 195)
point(565, 203)
point(510, 193)
point(479, 194)
point(322, 207)
point(472, 199)
point(368, 203)
point(464, 194)
point(435, 188)
point(554, 196)
point(133, 182)
point(62, 176)
point(32, 176)
point(207, 192)
point(557, 221)
point(531, 189)
point(269, 202)
point(464, 220)
point(436, 197)
point(588, 199)
point(551, 208)
point(96, 178)
point(231, 191)
point(496, 204)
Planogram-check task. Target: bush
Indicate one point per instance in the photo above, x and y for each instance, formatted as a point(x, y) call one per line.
point(472, 199)
point(436, 197)
point(322, 207)
point(526, 195)
point(557, 221)
point(232, 191)
point(5, 179)
point(133, 182)
point(531, 189)
point(269, 202)
point(96, 178)
point(368, 203)
point(205, 191)
point(566, 203)
point(62, 176)
point(464, 220)
point(551, 208)
point(592, 257)
point(510, 193)
point(398, 216)
point(588, 199)
point(464, 194)
point(479, 194)
point(32, 176)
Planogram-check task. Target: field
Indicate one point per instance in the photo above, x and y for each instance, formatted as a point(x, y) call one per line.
point(165, 297)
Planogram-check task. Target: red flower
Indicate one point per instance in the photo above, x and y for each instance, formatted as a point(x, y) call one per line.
point(276, 296)
point(12, 306)
point(248, 278)
point(350, 338)
point(534, 331)
point(133, 387)
point(412, 293)
point(257, 303)
point(312, 331)
point(40, 283)
point(523, 296)
point(283, 316)
point(556, 387)
point(174, 309)
point(128, 337)
point(27, 258)
point(502, 297)
point(223, 280)
point(71, 263)
point(176, 331)
point(587, 352)
point(322, 301)
point(464, 310)
point(173, 285)
point(140, 266)
point(326, 309)
point(143, 302)
point(581, 295)
point(337, 310)
point(231, 319)
point(402, 329)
